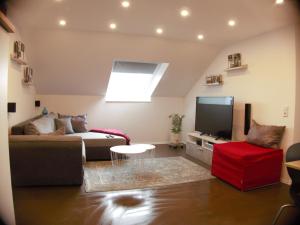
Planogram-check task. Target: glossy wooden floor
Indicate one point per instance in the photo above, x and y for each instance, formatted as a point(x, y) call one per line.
point(210, 202)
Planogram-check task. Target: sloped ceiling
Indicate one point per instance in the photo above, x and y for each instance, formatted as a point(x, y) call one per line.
point(77, 59)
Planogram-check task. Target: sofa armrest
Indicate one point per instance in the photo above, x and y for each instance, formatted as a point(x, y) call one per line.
point(46, 160)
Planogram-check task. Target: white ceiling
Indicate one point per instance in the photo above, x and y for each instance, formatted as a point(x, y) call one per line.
point(85, 48)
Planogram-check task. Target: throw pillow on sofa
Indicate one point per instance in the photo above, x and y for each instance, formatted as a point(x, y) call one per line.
point(66, 123)
point(31, 129)
point(59, 131)
point(265, 136)
point(79, 123)
point(45, 125)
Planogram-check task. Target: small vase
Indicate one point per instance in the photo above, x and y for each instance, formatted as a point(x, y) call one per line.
point(45, 111)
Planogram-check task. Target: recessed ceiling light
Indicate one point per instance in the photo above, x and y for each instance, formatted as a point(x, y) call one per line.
point(113, 26)
point(231, 23)
point(200, 36)
point(159, 30)
point(279, 2)
point(62, 23)
point(125, 4)
point(185, 13)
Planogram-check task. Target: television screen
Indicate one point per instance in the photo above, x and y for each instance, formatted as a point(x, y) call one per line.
point(214, 116)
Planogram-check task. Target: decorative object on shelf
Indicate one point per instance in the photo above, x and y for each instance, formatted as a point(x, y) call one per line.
point(45, 111)
point(19, 50)
point(19, 61)
point(37, 103)
point(176, 128)
point(214, 80)
point(28, 75)
point(234, 60)
point(18, 55)
point(242, 67)
point(11, 107)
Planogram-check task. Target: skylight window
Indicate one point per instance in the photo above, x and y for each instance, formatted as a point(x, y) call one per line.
point(134, 81)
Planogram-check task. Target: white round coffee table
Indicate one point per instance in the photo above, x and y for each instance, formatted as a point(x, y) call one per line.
point(125, 152)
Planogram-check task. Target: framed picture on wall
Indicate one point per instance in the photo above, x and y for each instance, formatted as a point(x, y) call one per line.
point(28, 75)
point(234, 60)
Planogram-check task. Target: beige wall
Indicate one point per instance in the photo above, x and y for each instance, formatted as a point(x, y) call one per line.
point(144, 122)
point(6, 200)
point(23, 95)
point(268, 84)
point(66, 59)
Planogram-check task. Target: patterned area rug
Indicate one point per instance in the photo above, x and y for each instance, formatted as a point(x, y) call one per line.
point(144, 173)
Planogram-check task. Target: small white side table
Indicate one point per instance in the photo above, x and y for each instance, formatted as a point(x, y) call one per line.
point(130, 156)
point(124, 152)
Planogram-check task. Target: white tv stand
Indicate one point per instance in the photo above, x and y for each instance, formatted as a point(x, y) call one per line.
point(202, 150)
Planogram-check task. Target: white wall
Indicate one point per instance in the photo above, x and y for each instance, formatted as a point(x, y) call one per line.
point(144, 122)
point(268, 84)
point(6, 200)
point(23, 95)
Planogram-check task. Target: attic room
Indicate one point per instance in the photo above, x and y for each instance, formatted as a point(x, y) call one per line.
point(139, 112)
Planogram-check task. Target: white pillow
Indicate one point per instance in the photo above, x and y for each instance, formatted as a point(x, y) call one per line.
point(45, 125)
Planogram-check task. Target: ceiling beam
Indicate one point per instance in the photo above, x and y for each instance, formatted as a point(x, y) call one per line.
point(6, 24)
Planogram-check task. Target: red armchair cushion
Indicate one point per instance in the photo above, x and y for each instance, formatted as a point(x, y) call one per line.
point(246, 166)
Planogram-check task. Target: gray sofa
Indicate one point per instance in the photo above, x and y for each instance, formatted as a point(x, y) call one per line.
point(46, 160)
point(55, 160)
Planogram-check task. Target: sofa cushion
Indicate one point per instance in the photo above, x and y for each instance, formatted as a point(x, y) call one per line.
point(19, 129)
point(45, 125)
point(92, 139)
point(83, 116)
point(66, 123)
point(265, 136)
point(31, 129)
point(79, 125)
point(243, 152)
point(59, 131)
point(79, 122)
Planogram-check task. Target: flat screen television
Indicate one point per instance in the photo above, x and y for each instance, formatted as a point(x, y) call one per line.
point(214, 116)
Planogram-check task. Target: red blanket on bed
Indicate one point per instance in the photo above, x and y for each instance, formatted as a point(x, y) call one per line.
point(112, 132)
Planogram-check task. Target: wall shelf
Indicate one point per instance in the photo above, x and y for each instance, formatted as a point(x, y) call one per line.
point(213, 84)
point(6, 24)
point(27, 83)
point(18, 61)
point(242, 67)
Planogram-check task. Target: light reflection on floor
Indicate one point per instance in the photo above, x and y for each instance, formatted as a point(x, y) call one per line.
point(128, 207)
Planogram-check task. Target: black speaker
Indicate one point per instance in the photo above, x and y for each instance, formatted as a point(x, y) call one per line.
point(37, 103)
point(11, 107)
point(247, 118)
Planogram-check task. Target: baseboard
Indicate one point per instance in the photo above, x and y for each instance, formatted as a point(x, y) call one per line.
point(152, 142)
